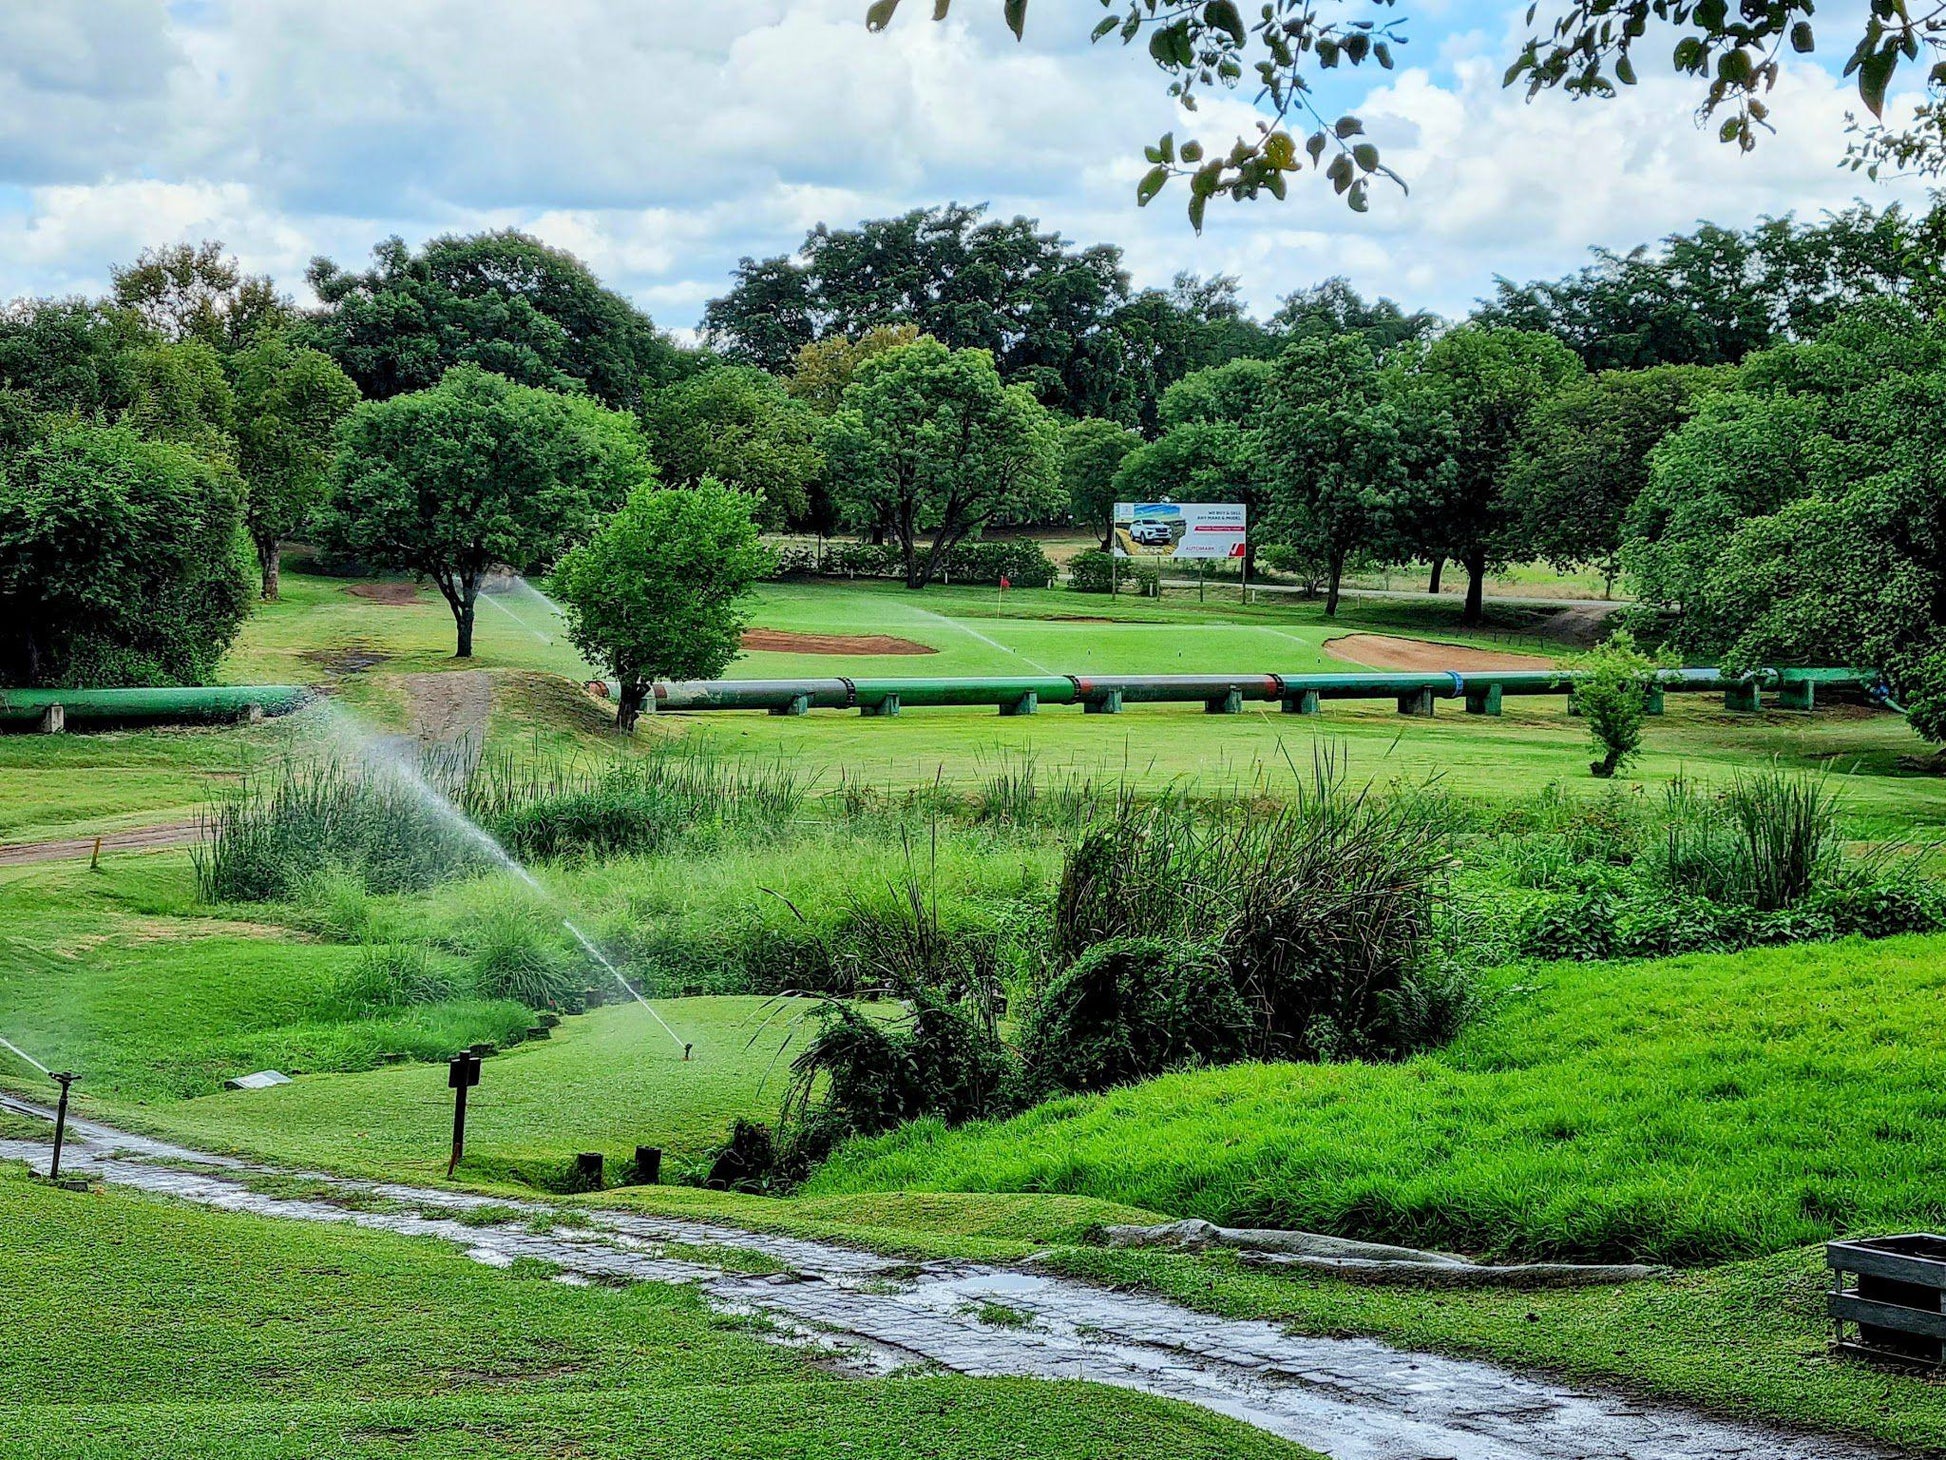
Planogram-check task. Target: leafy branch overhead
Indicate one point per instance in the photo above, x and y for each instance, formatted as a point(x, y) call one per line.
point(1736, 52)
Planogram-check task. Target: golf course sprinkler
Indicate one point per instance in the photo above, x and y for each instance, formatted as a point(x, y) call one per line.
point(64, 1079)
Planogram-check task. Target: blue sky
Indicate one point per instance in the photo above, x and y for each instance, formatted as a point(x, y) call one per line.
point(663, 140)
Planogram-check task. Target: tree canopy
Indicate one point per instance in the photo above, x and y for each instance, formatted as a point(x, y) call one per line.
point(930, 443)
point(195, 291)
point(122, 560)
point(659, 591)
point(1092, 451)
point(290, 401)
point(741, 426)
point(503, 301)
point(475, 473)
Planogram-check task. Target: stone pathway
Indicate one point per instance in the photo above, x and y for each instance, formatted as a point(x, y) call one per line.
point(1354, 1399)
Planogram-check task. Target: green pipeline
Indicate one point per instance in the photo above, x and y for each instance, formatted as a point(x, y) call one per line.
point(129, 706)
point(1008, 692)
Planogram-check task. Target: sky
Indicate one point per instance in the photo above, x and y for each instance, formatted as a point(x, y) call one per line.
point(662, 140)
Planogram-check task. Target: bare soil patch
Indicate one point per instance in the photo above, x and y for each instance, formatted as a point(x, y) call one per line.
point(134, 839)
point(450, 708)
point(783, 641)
point(1382, 651)
point(355, 659)
point(1583, 626)
point(394, 595)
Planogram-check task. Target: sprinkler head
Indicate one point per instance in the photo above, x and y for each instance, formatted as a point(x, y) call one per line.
point(64, 1079)
point(685, 1052)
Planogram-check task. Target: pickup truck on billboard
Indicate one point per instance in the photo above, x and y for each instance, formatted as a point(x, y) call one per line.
point(1180, 530)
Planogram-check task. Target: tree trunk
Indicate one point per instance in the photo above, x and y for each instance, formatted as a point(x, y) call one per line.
point(1476, 589)
point(269, 552)
point(628, 704)
point(1331, 591)
point(469, 592)
point(1438, 572)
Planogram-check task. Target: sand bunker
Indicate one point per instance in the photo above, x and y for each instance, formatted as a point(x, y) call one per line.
point(397, 595)
point(1382, 651)
point(782, 641)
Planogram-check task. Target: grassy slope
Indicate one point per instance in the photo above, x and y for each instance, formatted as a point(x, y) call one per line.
point(1686, 1110)
point(137, 1327)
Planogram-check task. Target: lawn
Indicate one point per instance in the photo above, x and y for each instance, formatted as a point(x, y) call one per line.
point(137, 1327)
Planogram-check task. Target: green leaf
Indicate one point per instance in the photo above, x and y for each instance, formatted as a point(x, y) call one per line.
point(1349, 127)
point(1197, 202)
point(1366, 156)
point(1016, 15)
point(1222, 15)
point(880, 14)
point(1104, 28)
point(1625, 70)
point(1803, 39)
point(1315, 146)
point(1874, 75)
point(1192, 151)
point(1280, 152)
point(1151, 184)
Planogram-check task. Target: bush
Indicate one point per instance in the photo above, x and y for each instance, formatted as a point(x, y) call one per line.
point(1768, 842)
point(393, 976)
point(1020, 560)
point(1611, 689)
point(335, 904)
point(517, 953)
point(864, 560)
point(1131, 1008)
point(1326, 912)
point(793, 560)
point(1092, 571)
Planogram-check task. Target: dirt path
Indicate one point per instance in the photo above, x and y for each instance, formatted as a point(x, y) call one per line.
point(1354, 1399)
point(1383, 651)
point(134, 839)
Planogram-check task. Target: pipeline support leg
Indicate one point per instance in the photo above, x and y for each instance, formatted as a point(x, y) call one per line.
point(887, 706)
point(1419, 702)
point(1485, 700)
point(796, 705)
point(1799, 694)
point(54, 719)
point(1027, 704)
point(1743, 699)
point(1104, 704)
point(1652, 702)
point(1305, 702)
point(1229, 703)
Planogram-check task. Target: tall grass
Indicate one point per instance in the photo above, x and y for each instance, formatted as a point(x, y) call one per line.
point(264, 843)
point(1769, 842)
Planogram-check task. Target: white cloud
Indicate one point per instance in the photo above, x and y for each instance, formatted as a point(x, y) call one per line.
point(661, 140)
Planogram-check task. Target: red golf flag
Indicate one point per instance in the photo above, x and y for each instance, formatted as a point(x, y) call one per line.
point(1003, 581)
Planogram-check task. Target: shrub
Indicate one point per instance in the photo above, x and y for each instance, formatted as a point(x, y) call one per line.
point(335, 904)
point(517, 953)
point(1611, 689)
point(793, 560)
point(376, 822)
point(1020, 560)
point(1130, 1008)
point(1768, 842)
point(865, 559)
point(393, 976)
point(1092, 571)
point(1325, 911)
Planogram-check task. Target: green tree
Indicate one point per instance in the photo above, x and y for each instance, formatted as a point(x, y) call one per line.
point(122, 560)
point(473, 473)
point(503, 301)
point(195, 291)
point(183, 396)
point(1339, 478)
point(290, 401)
point(741, 426)
point(659, 591)
point(1336, 308)
point(822, 369)
point(1200, 461)
point(1092, 451)
point(1611, 689)
point(931, 443)
point(72, 355)
point(1486, 381)
point(1583, 458)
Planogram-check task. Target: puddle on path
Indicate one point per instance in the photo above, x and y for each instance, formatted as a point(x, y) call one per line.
point(1353, 1399)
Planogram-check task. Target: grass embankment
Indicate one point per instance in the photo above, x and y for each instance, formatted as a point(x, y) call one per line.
point(141, 1328)
point(1687, 1110)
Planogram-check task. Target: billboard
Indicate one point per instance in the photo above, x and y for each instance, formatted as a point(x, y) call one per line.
point(1179, 530)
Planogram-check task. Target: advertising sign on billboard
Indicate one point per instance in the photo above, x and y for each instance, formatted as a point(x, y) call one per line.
point(1179, 530)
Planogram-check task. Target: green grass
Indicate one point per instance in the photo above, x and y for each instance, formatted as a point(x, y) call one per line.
point(1690, 1110)
point(136, 1327)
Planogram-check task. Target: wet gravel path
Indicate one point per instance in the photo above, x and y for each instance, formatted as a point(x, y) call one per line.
point(1354, 1399)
